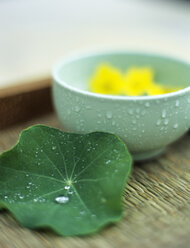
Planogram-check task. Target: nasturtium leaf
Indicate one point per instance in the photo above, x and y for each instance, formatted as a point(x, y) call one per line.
point(69, 183)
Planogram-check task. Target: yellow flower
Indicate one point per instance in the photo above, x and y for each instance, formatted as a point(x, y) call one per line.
point(106, 80)
point(137, 81)
point(170, 89)
point(155, 89)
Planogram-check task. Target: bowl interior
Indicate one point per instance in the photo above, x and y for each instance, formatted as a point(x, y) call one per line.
point(168, 71)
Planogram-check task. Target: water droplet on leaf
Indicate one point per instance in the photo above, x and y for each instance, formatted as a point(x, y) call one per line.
point(62, 199)
point(67, 187)
point(108, 161)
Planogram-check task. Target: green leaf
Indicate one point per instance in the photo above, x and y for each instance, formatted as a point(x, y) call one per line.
point(66, 182)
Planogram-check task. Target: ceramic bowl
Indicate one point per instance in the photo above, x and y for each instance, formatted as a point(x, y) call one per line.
point(147, 123)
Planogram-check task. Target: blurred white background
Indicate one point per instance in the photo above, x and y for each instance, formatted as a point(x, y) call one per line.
point(35, 34)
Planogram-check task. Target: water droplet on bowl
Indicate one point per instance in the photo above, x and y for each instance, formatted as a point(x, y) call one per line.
point(113, 123)
point(143, 112)
point(109, 114)
point(137, 110)
point(164, 113)
point(77, 109)
point(130, 111)
point(177, 103)
point(175, 126)
point(166, 122)
point(158, 122)
point(88, 107)
point(147, 104)
point(134, 121)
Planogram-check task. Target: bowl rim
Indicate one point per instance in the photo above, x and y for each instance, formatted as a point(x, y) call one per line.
point(82, 55)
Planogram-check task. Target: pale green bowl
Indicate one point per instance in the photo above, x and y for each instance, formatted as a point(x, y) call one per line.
point(147, 124)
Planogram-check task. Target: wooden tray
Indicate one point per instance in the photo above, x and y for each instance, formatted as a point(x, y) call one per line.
point(25, 101)
point(156, 200)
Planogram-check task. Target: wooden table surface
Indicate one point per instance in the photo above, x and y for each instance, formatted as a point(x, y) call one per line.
point(156, 204)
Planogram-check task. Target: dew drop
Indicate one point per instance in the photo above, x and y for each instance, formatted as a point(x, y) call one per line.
point(77, 108)
point(88, 107)
point(109, 114)
point(175, 126)
point(143, 112)
point(82, 212)
point(113, 123)
point(158, 122)
point(62, 199)
point(137, 110)
point(134, 121)
point(67, 187)
point(108, 161)
point(103, 200)
point(164, 113)
point(53, 148)
point(177, 103)
point(147, 104)
point(130, 111)
point(166, 122)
